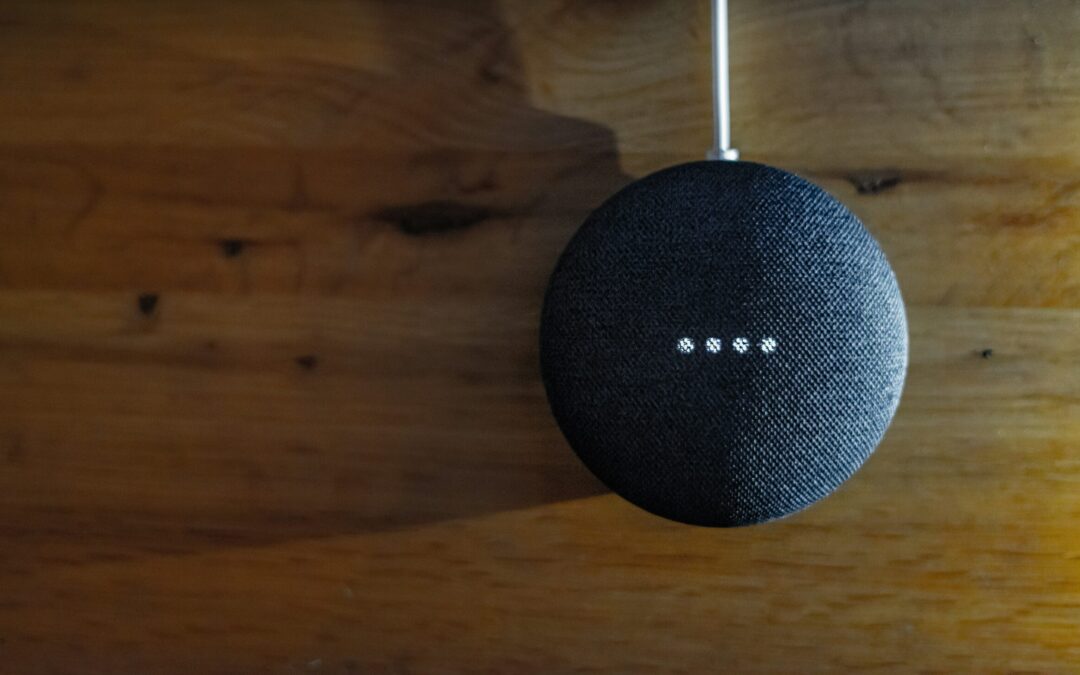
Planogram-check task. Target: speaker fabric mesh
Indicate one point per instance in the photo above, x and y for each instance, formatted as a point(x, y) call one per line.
point(723, 343)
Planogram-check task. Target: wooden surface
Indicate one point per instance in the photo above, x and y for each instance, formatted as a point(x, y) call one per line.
point(270, 275)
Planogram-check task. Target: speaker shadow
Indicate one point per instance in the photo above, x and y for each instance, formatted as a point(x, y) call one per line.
point(482, 200)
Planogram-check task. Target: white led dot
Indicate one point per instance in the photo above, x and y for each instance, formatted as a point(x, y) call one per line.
point(713, 345)
point(768, 345)
point(685, 346)
point(741, 345)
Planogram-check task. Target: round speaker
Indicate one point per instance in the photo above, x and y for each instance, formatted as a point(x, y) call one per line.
point(723, 343)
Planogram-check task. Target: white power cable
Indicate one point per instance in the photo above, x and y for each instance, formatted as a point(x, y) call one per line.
point(721, 84)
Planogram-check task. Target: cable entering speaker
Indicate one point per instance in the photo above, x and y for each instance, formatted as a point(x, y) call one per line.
point(721, 85)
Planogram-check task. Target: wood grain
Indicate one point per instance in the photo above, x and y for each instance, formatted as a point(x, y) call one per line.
point(270, 276)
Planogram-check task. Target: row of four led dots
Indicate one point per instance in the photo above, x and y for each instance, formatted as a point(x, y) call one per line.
point(716, 345)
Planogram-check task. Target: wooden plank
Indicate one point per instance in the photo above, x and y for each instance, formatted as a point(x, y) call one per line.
point(257, 222)
point(270, 279)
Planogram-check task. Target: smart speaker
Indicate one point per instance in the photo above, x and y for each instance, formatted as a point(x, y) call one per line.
point(723, 343)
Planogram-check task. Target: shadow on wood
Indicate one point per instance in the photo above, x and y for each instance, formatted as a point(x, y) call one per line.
point(312, 310)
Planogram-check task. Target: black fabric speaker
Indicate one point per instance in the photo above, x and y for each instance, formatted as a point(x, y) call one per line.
point(723, 343)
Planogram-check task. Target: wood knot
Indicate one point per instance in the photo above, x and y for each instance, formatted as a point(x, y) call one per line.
point(147, 303)
point(231, 248)
point(875, 182)
point(435, 217)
